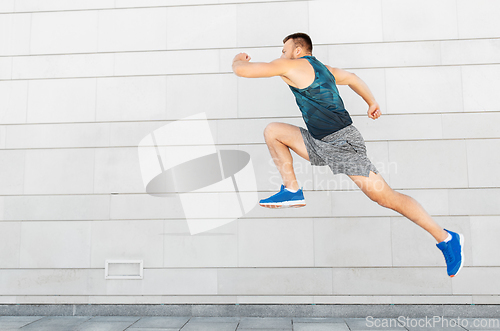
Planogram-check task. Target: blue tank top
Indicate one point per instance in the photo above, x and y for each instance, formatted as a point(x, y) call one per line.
point(320, 103)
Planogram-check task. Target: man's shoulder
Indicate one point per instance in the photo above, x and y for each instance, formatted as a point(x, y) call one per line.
point(289, 61)
point(291, 64)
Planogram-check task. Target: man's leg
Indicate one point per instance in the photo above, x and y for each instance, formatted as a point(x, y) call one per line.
point(379, 191)
point(280, 137)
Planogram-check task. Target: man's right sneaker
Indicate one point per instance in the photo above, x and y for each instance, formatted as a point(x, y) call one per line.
point(284, 198)
point(453, 252)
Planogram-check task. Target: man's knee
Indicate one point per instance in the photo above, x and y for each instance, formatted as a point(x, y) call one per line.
point(271, 130)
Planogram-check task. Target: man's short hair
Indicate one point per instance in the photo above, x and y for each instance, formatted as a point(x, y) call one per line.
point(302, 40)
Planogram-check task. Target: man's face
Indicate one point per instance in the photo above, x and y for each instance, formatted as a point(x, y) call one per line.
point(288, 51)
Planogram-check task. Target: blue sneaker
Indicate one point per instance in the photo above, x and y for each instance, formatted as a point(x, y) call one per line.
point(284, 198)
point(453, 252)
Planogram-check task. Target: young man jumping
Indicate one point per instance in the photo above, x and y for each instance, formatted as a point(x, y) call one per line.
point(331, 139)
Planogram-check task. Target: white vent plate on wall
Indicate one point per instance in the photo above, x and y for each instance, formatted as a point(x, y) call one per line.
point(123, 269)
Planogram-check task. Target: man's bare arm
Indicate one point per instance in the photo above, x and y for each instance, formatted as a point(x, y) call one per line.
point(343, 77)
point(244, 68)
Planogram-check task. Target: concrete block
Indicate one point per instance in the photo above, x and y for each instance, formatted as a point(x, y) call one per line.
point(2, 136)
point(149, 31)
point(424, 90)
point(478, 19)
point(471, 125)
point(10, 236)
point(127, 240)
point(117, 170)
point(352, 242)
point(56, 207)
point(160, 3)
point(214, 248)
point(327, 25)
point(79, 34)
point(59, 5)
point(274, 281)
point(477, 281)
point(145, 206)
point(59, 171)
point(474, 201)
point(5, 67)
point(12, 175)
point(14, 33)
point(482, 238)
point(479, 84)
point(198, 27)
point(131, 98)
point(400, 54)
point(131, 133)
point(274, 23)
point(44, 281)
point(61, 100)
point(265, 97)
point(391, 281)
point(425, 20)
point(14, 101)
point(7, 6)
point(475, 51)
point(62, 66)
point(189, 281)
point(58, 135)
point(55, 244)
point(169, 62)
point(483, 161)
point(429, 164)
point(283, 242)
point(400, 127)
point(214, 94)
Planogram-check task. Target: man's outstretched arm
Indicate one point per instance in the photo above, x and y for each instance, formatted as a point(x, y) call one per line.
point(244, 68)
point(343, 77)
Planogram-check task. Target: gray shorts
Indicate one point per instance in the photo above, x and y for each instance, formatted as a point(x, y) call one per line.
point(344, 151)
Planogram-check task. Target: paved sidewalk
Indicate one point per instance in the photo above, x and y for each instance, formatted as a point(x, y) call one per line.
point(174, 323)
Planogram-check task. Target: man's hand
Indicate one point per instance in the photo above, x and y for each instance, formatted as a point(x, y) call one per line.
point(374, 111)
point(242, 57)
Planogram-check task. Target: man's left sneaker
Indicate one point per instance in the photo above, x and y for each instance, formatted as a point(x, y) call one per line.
point(284, 198)
point(453, 252)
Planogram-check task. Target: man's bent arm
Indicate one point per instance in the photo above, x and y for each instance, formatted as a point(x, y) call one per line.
point(343, 77)
point(360, 87)
point(243, 68)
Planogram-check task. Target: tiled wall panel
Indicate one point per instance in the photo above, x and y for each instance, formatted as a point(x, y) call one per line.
point(83, 82)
